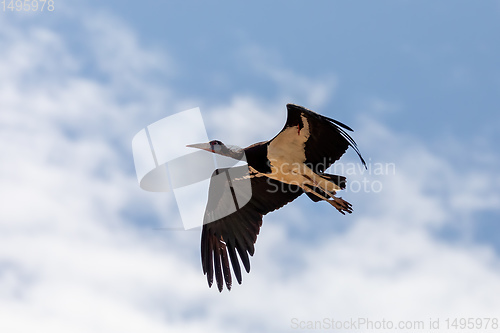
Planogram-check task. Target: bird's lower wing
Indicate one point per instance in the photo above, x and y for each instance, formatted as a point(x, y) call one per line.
point(234, 235)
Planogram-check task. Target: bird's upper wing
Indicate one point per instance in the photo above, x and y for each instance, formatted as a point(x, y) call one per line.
point(237, 232)
point(327, 141)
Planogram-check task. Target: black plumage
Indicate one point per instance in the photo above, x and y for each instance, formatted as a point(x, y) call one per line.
point(232, 237)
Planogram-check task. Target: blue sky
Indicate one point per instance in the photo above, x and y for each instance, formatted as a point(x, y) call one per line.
point(430, 56)
point(419, 81)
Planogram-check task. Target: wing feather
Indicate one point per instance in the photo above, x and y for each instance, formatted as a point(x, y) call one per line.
point(237, 232)
point(328, 139)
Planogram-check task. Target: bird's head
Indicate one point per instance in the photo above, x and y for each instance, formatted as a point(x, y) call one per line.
point(217, 147)
point(214, 146)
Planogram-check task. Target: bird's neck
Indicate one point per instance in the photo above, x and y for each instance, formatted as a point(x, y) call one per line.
point(237, 154)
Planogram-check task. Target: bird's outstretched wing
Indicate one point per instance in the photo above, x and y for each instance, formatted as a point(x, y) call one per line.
point(237, 232)
point(327, 141)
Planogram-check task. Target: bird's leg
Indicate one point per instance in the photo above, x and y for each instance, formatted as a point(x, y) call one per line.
point(318, 181)
point(329, 188)
point(325, 190)
point(340, 204)
point(336, 202)
point(326, 186)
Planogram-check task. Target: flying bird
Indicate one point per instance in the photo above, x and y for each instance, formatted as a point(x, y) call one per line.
point(280, 170)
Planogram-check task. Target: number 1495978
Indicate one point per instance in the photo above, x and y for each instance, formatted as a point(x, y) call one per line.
point(28, 5)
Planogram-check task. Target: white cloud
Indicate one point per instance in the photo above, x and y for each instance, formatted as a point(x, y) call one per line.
point(70, 261)
point(245, 120)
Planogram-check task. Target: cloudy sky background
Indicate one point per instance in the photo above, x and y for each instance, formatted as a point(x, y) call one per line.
point(81, 245)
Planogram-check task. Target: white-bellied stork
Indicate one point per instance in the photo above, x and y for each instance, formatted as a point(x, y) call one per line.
point(280, 170)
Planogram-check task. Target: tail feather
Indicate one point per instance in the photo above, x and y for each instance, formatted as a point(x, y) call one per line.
point(340, 181)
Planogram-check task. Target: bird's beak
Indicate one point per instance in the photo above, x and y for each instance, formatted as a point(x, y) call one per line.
point(204, 146)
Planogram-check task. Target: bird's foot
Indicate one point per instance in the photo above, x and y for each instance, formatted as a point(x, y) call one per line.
point(341, 205)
